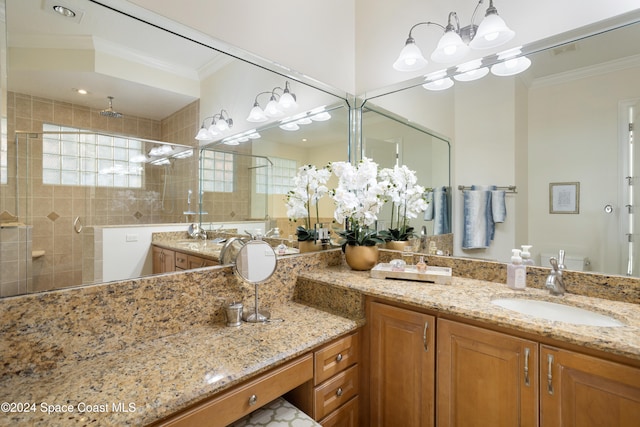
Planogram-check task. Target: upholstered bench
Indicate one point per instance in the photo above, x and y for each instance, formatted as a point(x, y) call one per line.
point(278, 413)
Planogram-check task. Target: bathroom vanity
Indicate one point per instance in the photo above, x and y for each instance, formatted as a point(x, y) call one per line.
point(156, 350)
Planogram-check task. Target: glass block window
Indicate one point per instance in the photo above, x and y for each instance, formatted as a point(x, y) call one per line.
point(3, 152)
point(282, 173)
point(217, 172)
point(72, 156)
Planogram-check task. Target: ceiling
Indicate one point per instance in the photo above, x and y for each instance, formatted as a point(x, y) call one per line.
point(101, 50)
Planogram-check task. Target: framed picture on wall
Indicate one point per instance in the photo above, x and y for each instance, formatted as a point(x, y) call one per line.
point(564, 197)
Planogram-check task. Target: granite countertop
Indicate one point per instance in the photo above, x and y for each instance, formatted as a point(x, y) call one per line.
point(471, 299)
point(201, 248)
point(154, 379)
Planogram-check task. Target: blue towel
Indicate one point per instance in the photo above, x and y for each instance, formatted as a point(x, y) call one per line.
point(428, 213)
point(498, 206)
point(484, 206)
point(478, 219)
point(438, 210)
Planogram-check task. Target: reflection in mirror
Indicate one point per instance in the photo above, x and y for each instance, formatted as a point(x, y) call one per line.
point(390, 140)
point(565, 119)
point(62, 72)
point(255, 263)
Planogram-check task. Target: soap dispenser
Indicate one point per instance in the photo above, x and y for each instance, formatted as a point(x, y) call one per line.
point(526, 255)
point(516, 272)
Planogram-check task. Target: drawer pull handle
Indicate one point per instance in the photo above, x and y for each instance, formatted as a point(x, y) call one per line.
point(339, 392)
point(526, 366)
point(339, 357)
point(253, 400)
point(425, 339)
point(550, 374)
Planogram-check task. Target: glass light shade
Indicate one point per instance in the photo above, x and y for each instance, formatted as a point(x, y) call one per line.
point(511, 66)
point(256, 115)
point(287, 102)
point(321, 117)
point(222, 125)
point(492, 32)
point(450, 48)
point(204, 135)
point(410, 58)
point(304, 121)
point(291, 126)
point(272, 110)
point(232, 141)
point(213, 130)
point(254, 135)
point(440, 84)
point(472, 75)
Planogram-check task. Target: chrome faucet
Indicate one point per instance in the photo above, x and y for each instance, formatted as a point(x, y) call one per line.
point(555, 282)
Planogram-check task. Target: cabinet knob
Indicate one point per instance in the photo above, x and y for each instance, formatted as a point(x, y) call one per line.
point(339, 357)
point(339, 391)
point(253, 400)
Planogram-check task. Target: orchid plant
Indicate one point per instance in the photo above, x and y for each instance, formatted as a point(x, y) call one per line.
point(358, 199)
point(309, 188)
point(407, 201)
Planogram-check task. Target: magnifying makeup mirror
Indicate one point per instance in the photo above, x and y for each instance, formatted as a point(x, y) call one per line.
point(256, 263)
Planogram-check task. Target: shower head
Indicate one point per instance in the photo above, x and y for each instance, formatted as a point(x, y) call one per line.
point(109, 112)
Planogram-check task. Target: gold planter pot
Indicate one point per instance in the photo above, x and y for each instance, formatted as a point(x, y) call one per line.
point(361, 258)
point(396, 245)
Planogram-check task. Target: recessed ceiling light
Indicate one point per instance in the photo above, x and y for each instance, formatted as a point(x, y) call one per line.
point(82, 91)
point(64, 11)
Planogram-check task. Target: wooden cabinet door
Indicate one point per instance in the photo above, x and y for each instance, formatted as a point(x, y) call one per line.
point(485, 378)
point(164, 260)
point(584, 391)
point(402, 361)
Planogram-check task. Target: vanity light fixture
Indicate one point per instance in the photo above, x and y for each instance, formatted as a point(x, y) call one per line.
point(455, 42)
point(219, 124)
point(278, 105)
point(512, 63)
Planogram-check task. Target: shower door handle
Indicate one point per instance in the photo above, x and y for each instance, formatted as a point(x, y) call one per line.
point(77, 225)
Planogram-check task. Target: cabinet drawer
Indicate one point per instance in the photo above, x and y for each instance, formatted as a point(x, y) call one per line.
point(238, 402)
point(347, 415)
point(197, 262)
point(335, 392)
point(336, 357)
point(182, 261)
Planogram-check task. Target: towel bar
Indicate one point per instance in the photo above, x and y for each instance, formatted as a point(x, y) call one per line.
point(507, 188)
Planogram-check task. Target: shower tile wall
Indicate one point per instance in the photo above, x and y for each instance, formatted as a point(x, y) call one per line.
point(51, 209)
point(15, 260)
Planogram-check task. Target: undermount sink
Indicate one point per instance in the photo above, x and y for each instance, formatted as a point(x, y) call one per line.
point(556, 312)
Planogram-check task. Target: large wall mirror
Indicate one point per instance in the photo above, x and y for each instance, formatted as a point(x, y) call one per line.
point(92, 175)
point(565, 120)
